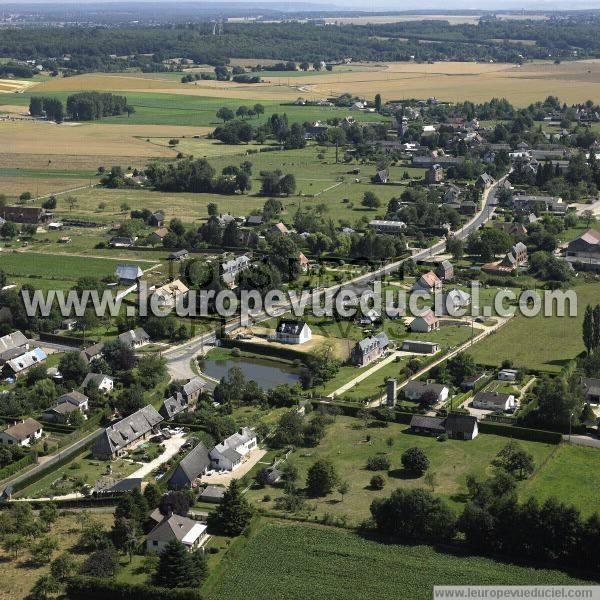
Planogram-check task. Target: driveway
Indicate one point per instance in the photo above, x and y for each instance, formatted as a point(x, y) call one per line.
point(172, 447)
point(225, 478)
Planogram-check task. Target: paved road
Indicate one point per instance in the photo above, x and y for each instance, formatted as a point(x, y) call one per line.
point(582, 440)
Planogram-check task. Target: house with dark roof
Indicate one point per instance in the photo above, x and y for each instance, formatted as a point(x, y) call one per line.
point(427, 425)
point(369, 349)
point(192, 389)
point(192, 534)
point(420, 347)
point(173, 405)
point(585, 250)
point(495, 401)
point(118, 437)
point(157, 219)
point(484, 181)
point(461, 427)
point(591, 389)
point(128, 274)
point(195, 464)
point(24, 433)
point(99, 381)
point(24, 214)
point(292, 331)
point(435, 174)
point(134, 338)
point(418, 390)
point(382, 176)
point(255, 220)
point(179, 255)
point(93, 352)
point(121, 241)
point(445, 270)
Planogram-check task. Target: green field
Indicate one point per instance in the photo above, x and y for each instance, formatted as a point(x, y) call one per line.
point(297, 562)
point(543, 343)
point(572, 476)
point(154, 108)
point(346, 445)
point(46, 266)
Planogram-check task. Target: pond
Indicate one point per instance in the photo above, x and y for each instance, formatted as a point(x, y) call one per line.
point(267, 373)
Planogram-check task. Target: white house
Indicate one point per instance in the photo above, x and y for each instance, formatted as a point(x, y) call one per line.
point(22, 434)
point(99, 381)
point(134, 338)
point(508, 374)
point(192, 534)
point(416, 390)
point(494, 401)
point(228, 455)
point(76, 399)
point(425, 323)
point(291, 331)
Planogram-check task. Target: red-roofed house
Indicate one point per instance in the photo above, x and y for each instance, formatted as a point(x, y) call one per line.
point(428, 282)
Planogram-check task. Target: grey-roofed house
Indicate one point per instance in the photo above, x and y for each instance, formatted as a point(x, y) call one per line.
point(493, 401)
point(255, 220)
point(445, 270)
point(192, 534)
point(134, 338)
point(59, 413)
point(231, 268)
point(92, 352)
point(420, 346)
point(382, 176)
point(13, 341)
point(369, 349)
point(128, 274)
point(193, 465)
point(116, 438)
point(99, 381)
point(22, 434)
point(179, 255)
point(173, 405)
point(416, 390)
point(212, 493)
point(192, 389)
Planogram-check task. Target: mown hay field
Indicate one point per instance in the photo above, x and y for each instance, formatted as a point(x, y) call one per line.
point(573, 81)
point(302, 561)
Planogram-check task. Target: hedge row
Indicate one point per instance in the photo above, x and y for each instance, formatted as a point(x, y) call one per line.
point(93, 588)
point(16, 466)
point(521, 433)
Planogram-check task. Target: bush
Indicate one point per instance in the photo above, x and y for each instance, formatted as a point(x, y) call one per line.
point(377, 482)
point(92, 588)
point(378, 463)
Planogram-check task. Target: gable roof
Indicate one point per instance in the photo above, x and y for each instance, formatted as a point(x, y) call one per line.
point(367, 344)
point(129, 272)
point(430, 279)
point(193, 385)
point(495, 398)
point(281, 228)
point(127, 430)
point(194, 464)
point(591, 386)
point(429, 317)
point(591, 236)
point(21, 431)
point(97, 378)
point(27, 359)
point(422, 387)
point(134, 335)
point(13, 340)
point(290, 326)
point(74, 397)
point(461, 423)
point(92, 351)
point(179, 528)
point(173, 405)
point(436, 423)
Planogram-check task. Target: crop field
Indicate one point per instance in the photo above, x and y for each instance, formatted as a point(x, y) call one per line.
point(345, 443)
point(38, 183)
point(550, 343)
point(302, 561)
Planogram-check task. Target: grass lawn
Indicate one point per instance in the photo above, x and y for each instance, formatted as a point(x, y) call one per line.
point(571, 475)
point(345, 444)
point(301, 561)
point(82, 468)
point(543, 343)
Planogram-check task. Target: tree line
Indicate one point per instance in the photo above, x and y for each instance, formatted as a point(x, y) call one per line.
point(84, 106)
